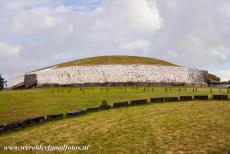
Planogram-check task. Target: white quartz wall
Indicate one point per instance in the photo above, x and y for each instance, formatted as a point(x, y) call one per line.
point(17, 79)
point(120, 73)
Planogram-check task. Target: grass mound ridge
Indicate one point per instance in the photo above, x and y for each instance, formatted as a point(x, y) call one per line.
point(107, 60)
point(112, 60)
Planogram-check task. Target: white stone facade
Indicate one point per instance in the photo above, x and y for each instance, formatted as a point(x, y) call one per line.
point(17, 79)
point(120, 73)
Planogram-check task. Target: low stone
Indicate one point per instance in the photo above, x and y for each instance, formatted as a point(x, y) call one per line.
point(220, 97)
point(105, 107)
point(13, 126)
point(201, 97)
point(55, 116)
point(171, 99)
point(228, 151)
point(76, 112)
point(34, 120)
point(2, 129)
point(139, 102)
point(155, 100)
point(71, 113)
point(185, 98)
point(120, 104)
point(91, 109)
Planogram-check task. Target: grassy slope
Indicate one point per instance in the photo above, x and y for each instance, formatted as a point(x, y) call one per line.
point(107, 60)
point(182, 127)
point(102, 60)
point(16, 105)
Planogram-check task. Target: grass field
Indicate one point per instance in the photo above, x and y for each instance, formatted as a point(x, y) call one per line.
point(21, 104)
point(181, 127)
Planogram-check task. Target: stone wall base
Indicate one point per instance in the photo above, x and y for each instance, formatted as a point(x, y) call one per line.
point(111, 84)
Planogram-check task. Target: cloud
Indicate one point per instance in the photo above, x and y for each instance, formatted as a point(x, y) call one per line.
point(58, 29)
point(135, 44)
point(8, 50)
point(225, 74)
point(35, 34)
point(194, 32)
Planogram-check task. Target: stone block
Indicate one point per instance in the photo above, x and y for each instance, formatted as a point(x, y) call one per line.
point(76, 112)
point(228, 151)
point(71, 113)
point(201, 97)
point(34, 120)
point(30, 80)
point(220, 97)
point(139, 102)
point(171, 99)
point(185, 98)
point(55, 116)
point(105, 107)
point(92, 109)
point(155, 100)
point(120, 104)
point(2, 130)
point(14, 126)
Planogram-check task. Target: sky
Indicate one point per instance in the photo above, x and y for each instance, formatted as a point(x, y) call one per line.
point(40, 33)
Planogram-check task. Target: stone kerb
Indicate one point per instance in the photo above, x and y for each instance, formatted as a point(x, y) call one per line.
point(220, 97)
point(120, 104)
point(34, 120)
point(17, 125)
point(186, 98)
point(138, 102)
point(92, 109)
point(76, 113)
point(55, 116)
point(157, 99)
point(105, 107)
point(2, 130)
point(171, 99)
point(201, 97)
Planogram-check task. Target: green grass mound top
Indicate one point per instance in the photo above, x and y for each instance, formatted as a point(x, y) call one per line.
point(112, 60)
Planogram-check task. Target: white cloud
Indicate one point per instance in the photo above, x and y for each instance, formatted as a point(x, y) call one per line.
point(7, 50)
point(225, 8)
point(135, 44)
point(13, 5)
point(190, 33)
point(32, 21)
point(225, 74)
point(133, 15)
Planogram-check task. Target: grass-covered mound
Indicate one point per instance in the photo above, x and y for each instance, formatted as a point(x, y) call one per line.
point(108, 60)
point(182, 127)
point(114, 60)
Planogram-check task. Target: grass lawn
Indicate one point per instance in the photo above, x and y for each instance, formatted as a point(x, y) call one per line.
point(181, 127)
point(22, 104)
